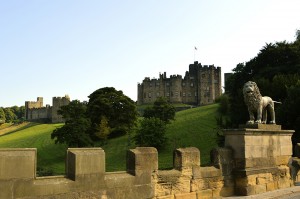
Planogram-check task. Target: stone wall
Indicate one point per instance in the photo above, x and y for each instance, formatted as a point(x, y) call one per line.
point(35, 111)
point(254, 161)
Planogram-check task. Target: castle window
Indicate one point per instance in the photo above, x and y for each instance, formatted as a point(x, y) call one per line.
point(191, 77)
point(183, 84)
point(195, 93)
point(167, 84)
point(150, 85)
point(167, 94)
point(216, 81)
point(176, 93)
point(149, 95)
point(157, 94)
point(190, 94)
point(157, 84)
point(183, 94)
point(192, 84)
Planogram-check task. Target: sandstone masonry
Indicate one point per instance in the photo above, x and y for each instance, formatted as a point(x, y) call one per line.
point(35, 111)
point(200, 85)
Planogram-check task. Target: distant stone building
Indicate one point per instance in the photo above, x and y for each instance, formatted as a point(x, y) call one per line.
point(35, 111)
point(201, 85)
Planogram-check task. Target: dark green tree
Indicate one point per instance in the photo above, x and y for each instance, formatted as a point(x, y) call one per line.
point(161, 109)
point(151, 133)
point(275, 68)
point(118, 110)
point(290, 112)
point(9, 115)
point(74, 132)
point(2, 116)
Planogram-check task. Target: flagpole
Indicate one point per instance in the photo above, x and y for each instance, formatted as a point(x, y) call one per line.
point(195, 48)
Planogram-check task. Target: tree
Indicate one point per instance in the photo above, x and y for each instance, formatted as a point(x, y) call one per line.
point(161, 109)
point(118, 110)
point(275, 68)
point(74, 132)
point(2, 116)
point(151, 133)
point(9, 115)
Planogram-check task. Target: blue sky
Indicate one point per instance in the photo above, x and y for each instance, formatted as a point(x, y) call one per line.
point(56, 47)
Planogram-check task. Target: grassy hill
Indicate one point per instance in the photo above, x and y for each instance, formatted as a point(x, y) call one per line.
point(192, 127)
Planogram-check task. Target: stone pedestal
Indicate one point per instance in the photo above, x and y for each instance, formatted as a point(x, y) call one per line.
point(260, 157)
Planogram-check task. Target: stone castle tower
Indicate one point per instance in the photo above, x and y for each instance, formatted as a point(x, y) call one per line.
point(201, 85)
point(35, 111)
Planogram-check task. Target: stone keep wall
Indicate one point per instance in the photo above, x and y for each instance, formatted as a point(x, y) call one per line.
point(200, 85)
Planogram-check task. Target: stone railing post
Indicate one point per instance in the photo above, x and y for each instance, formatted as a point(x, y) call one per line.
point(82, 162)
point(185, 158)
point(142, 162)
point(15, 164)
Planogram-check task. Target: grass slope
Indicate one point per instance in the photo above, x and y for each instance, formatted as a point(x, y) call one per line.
point(193, 127)
point(37, 136)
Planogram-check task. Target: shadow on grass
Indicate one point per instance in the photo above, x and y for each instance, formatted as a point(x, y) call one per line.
point(30, 124)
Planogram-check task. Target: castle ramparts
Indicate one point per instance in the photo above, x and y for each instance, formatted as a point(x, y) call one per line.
point(249, 164)
point(200, 85)
point(36, 111)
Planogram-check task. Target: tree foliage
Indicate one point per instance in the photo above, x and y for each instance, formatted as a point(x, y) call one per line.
point(107, 111)
point(9, 115)
point(151, 132)
point(74, 132)
point(115, 107)
point(161, 109)
point(2, 116)
point(275, 68)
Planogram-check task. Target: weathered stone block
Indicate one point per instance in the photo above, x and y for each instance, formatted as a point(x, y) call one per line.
point(199, 184)
point(186, 196)
point(85, 161)
point(245, 191)
point(271, 186)
point(184, 158)
point(205, 194)
point(183, 185)
point(17, 163)
point(226, 191)
point(206, 172)
point(166, 197)
point(260, 189)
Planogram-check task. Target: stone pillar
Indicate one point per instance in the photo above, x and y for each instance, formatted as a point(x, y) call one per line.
point(260, 157)
point(85, 162)
point(16, 165)
point(142, 162)
point(185, 158)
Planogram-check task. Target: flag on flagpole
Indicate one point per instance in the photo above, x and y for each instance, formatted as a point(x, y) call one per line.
point(196, 48)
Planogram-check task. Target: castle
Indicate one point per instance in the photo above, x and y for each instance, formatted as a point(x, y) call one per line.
point(201, 85)
point(35, 111)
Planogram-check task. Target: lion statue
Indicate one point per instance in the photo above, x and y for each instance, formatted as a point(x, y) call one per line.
point(258, 104)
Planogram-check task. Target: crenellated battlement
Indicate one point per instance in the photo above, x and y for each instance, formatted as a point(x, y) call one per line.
point(200, 85)
point(249, 164)
point(35, 111)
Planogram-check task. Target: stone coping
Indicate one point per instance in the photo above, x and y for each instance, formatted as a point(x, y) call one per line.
point(270, 127)
point(247, 131)
point(252, 171)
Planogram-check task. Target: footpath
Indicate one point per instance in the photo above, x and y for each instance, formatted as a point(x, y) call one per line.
point(287, 193)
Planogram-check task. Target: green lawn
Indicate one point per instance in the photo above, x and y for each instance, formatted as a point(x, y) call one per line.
point(38, 136)
point(192, 127)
